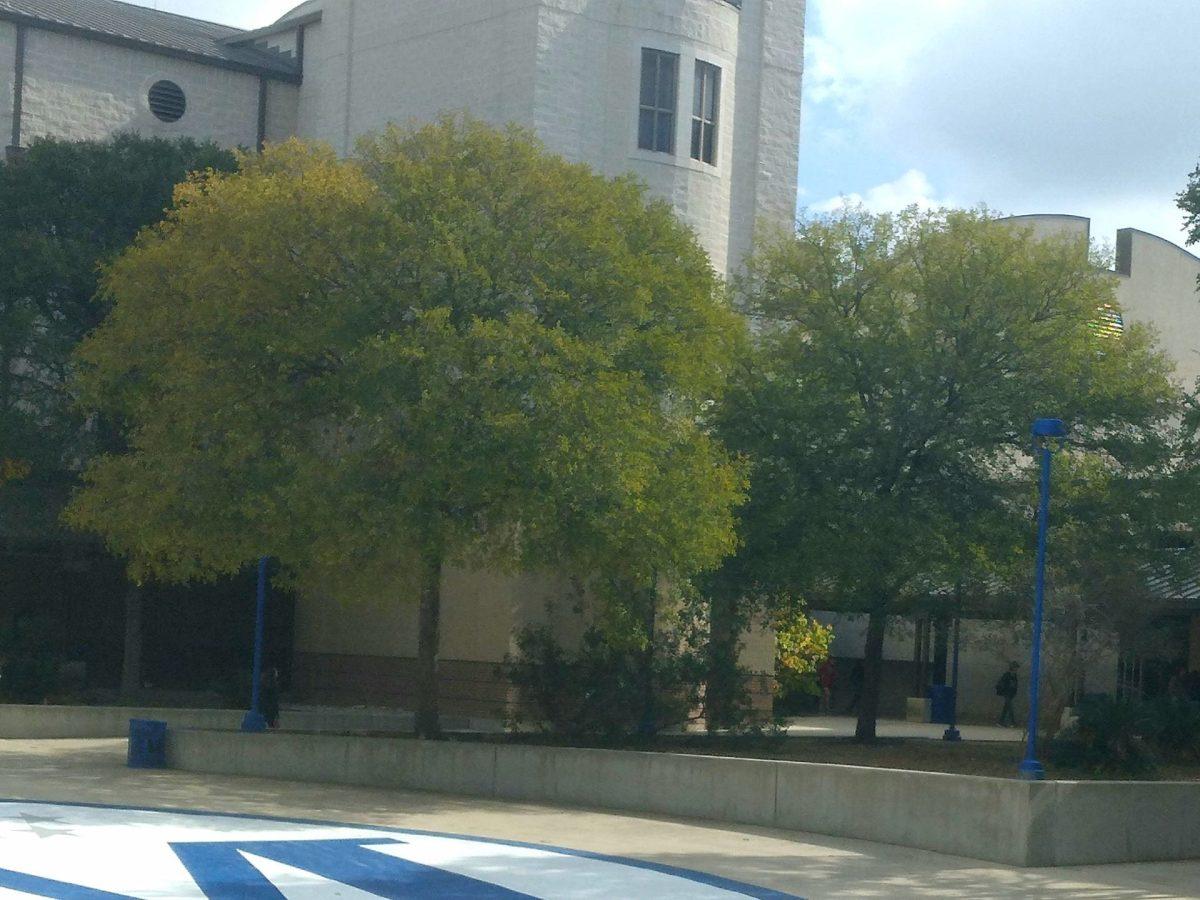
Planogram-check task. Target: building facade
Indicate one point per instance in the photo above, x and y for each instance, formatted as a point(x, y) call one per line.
point(700, 99)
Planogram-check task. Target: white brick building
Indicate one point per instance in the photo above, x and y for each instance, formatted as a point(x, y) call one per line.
point(698, 98)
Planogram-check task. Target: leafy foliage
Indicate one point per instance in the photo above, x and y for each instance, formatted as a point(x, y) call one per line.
point(597, 689)
point(886, 407)
point(1173, 727)
point(601, 687)
point(1189, 202)
point(1129, 737)
point(1107, 738)
point(802, 644)
point(457, 348)
point(65, 209)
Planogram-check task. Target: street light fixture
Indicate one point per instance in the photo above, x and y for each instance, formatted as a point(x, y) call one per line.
point(1045, 432)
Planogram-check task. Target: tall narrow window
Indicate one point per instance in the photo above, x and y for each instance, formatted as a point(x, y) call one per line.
point(704, 112)
point(660, 91)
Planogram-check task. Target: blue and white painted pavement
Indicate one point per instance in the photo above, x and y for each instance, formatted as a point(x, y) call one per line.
point(102, 853)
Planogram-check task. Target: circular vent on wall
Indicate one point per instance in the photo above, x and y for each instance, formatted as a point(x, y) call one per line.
point(167, 101)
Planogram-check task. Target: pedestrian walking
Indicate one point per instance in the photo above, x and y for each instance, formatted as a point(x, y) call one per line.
point(1006, 687)
point(827, 677)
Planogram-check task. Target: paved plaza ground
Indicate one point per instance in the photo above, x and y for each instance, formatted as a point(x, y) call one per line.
point(93, 772)
point(843, 726)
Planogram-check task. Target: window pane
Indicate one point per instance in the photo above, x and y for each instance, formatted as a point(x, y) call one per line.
point(659, 99)
point(698, 100)
point(666, 132)
point(668, 74)
point(649, 79)
point(711, 93)
point(696, 139)
point(710, 144)
point(646, 130)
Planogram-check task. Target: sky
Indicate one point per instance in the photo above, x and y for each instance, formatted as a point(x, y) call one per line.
point(1085, 107)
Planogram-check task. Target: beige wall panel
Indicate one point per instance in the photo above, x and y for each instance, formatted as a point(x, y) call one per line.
point(283, 111)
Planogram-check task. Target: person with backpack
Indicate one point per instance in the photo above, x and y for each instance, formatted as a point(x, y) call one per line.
point(1006, 687)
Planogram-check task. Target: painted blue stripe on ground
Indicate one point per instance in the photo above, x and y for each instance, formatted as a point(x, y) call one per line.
point(717, 881)
point(58, 890)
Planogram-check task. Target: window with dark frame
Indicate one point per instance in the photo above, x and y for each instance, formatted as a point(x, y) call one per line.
point(705, 107)
point(659, 101)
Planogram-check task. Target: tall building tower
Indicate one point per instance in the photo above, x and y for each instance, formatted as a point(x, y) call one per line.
point(698, 98)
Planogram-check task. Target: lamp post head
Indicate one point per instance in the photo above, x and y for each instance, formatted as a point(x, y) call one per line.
point(1046, 430)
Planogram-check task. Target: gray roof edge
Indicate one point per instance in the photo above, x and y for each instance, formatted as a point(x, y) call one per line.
point(270, 66)
point(281, 27)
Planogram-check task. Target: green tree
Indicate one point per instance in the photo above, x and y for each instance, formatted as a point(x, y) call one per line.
point(66, 208)
point(886, 408)
point(1188, 201)
point(456, 349)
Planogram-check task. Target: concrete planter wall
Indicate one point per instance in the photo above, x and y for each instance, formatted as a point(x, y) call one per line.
point(1005, 821)
point(41, 722)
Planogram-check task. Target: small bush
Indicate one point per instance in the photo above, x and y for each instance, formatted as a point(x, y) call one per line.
point(28, 678)
point(1173, 727)
point(1108, 738)
point(600, 689)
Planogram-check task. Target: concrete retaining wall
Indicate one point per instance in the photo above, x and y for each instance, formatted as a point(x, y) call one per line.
point(1006, 821)
point(41, 722)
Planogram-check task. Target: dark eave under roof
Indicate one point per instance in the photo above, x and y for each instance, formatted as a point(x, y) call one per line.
point(136, 27)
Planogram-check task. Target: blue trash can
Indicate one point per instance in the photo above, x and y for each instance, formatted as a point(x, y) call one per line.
point(941, 704)
point(147, 744)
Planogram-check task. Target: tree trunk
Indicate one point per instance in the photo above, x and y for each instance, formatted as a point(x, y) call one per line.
point(941, 649)
point(131, 665)
point(648, 726)
point(721, 691)
point(868, 710)
point(428, 723)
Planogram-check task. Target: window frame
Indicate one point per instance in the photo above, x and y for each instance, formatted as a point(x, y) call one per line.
point(706, 113)
point(661, 119)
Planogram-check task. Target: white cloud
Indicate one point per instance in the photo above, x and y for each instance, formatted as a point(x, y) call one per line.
point(853, 46)
point(913, 188)
point(1073, 106)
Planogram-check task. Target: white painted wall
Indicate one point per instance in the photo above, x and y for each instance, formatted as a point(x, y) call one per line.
point(1158, 287)
point(371, 62)
point(1156, 284)
point(283, 110)
point(767, 141)
point(569, 69)
point(79, 89)
point(8, 63)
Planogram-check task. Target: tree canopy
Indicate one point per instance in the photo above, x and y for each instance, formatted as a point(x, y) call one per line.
point(66, 208)
point(886, 408)
point(455, 349)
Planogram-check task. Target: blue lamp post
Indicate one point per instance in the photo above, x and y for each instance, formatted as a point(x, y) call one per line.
point(952, 733)
point(254, 720)
point(1045, 431)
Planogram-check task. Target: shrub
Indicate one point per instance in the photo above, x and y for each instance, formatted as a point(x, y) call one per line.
point(1109, 737)
point(1173, 727)
point(600, 688)
point(801, 645)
